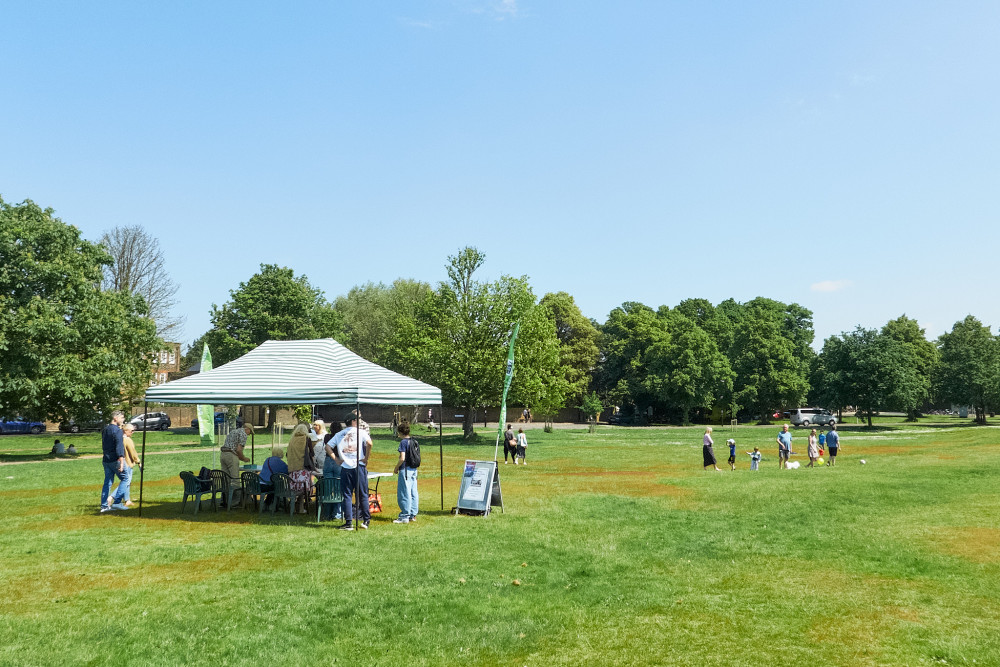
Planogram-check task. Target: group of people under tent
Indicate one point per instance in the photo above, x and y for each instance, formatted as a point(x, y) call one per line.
point(312, 451)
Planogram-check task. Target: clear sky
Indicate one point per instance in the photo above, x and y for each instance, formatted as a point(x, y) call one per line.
point(842, 155)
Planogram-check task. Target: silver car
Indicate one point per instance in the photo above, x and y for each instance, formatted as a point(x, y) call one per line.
point(806, 417)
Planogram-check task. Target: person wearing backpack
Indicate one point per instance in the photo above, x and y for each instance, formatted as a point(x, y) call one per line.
point(406, 467)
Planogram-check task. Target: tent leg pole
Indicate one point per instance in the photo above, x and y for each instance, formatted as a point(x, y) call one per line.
point(142, 464)
point(441, 449)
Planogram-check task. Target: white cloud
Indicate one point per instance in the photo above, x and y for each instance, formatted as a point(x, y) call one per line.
point(830, 285)
point(506, 8)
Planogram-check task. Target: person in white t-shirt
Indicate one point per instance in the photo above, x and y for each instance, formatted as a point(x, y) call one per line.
point(353, 472)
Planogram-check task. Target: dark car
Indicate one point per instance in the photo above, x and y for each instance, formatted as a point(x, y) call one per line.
point(153, 421)
point(19, 425)
point(220, 419)
point(75, 425)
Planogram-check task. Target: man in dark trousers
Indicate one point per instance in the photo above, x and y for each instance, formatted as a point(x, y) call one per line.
point(113, 446)
point(351, 448)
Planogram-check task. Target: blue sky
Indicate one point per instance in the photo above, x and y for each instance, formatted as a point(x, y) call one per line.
point(842, 155)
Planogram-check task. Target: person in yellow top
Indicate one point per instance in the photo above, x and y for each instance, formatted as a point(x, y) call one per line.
point(121, 494)
point(300, 475)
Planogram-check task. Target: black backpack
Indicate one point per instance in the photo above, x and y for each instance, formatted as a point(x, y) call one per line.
point(413, 454)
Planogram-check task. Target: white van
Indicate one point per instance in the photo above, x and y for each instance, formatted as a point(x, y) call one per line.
point(811, 417)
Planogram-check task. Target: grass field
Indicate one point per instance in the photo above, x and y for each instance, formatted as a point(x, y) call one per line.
point(615, 548)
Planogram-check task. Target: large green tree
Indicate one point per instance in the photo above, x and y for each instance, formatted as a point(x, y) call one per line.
point(871, 370)
point(578, 351)
point(770, 354)
point(274, 304)
point(969, 372)
point(379, 320)
point(924, 353)
point(68, 348)
point(463, 334)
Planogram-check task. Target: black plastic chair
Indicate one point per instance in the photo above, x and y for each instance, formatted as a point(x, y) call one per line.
point(282, 490)
point(193, 488)
point(327, 493)
point(251, 490)
point(222, 484)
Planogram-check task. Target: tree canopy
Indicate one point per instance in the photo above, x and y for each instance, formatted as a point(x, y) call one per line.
point(69, 348)
point(969, 372)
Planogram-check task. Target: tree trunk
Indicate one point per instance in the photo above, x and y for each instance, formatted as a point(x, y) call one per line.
point(468, 426)
point(869, 417)
point(272, 416)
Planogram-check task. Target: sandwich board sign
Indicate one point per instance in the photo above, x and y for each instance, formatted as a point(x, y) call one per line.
point(480, 490)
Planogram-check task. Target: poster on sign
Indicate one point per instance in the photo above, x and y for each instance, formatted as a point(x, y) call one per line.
point(480, 490)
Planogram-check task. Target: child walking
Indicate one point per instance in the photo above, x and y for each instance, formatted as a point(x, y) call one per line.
point(732, 453)
point(754, 458)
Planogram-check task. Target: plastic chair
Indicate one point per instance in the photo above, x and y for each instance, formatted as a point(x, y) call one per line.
point(251, 489)
point(223, 485)
point(193, 487)
point(282, 484)
point(327, 492)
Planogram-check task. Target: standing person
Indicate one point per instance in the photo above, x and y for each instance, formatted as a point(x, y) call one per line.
point(406, 485)
point(508, 445)
point(833, 445)
point(298, 472)
point(732, 453)
point(317, 441)
point(331, 470)
point(708, 455)
point(522, 446)
point(754, 458)
point(813, 450)
point(113, 447)
point(121, 494)
point(232, 453)
point(352, 447)
point(822, 442)
point(784, 440)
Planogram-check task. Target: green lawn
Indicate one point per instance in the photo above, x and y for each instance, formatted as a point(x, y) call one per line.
point(615, 548)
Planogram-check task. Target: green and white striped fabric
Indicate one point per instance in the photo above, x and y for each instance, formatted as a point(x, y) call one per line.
point(297, 372)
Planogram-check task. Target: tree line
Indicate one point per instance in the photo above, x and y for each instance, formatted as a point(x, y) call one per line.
point(80, 323)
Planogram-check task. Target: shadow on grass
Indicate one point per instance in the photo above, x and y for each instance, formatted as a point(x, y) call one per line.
point(30, 458)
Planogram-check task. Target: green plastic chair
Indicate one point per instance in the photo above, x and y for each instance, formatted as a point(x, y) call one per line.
point(282, 484)
point(251, 490)
point(193, 488)
point(327, 492)
point(223, 485)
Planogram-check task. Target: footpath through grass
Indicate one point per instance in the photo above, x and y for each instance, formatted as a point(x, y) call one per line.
point(615, 548)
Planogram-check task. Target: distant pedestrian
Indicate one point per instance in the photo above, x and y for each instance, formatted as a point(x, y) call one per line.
point(113, 447)
point(708, 455)
point(732, 453)
point(833, 445)
point(121, 496)
point(822, 442)
point(754, 458)
point(509, 445)
point(522, 446)
point(784, 446)
point(813, 449)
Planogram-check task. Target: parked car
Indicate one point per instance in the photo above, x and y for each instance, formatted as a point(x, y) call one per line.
point(90, 423)
point(811, 416)
point(220, 419)
point(20, 425)
point(153, 421)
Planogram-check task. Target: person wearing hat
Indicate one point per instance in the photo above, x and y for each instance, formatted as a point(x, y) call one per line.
point(732, 453)
point(353, 469)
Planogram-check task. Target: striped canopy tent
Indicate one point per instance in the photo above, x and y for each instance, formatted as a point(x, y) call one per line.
point(297, 372)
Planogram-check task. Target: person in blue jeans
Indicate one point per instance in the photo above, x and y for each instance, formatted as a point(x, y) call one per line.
point(406, 485)
point(113, 447)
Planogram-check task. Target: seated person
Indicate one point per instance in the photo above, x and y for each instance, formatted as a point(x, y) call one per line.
point(272, 465)
point(72, 449)
point(58, 447)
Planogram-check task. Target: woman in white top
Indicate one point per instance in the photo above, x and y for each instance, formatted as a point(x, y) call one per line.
point(813, 450)
point(708, 454)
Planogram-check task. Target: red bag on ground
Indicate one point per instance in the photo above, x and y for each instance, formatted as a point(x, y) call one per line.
point(375, 503)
